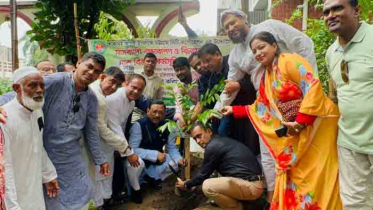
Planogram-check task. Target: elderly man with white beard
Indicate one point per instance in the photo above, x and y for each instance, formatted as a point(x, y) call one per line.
point(27, 165)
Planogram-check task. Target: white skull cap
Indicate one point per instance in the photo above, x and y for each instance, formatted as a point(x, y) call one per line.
point(24, 72)
point(235, 12)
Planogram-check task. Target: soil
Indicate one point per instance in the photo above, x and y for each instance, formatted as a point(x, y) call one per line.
point(166, 199)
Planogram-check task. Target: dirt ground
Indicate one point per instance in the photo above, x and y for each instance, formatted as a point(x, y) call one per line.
point(166, 199)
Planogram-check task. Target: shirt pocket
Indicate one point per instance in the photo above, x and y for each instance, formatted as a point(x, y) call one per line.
point(361, 70)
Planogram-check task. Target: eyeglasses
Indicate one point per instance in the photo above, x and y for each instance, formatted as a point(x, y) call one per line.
point(76, 103)
point(345, 71)
point(47, 69)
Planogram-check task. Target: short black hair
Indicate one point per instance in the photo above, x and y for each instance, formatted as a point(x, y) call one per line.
point(199, 124)
point(115, 72)
point(150, 55)
point(156, 102)
point(192, 56)
point(208, 48)
point(97, 58)
point(136, 76)
point(61, 67)
point(41, 61)
point(353, 3)
point(180, 62)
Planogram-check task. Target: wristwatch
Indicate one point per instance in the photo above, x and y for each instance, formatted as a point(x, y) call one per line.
point(298, 127)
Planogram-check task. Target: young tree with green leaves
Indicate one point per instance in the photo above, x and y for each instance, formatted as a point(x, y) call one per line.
point(54, 23)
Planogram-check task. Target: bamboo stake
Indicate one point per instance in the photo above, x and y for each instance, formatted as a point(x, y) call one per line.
point(187, 157)
point(77, 32)
point(13, 21)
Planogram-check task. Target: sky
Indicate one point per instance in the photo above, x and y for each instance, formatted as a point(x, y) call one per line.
point(204, 22)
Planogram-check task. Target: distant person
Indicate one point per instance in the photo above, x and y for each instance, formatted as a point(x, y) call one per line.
point(156, 149)
point(185, 75)
point(46, 67)
point(195, 63)
point(65, 67)
point(241, 175)
point(183, 22)
point(153, 89)
point(27, 165)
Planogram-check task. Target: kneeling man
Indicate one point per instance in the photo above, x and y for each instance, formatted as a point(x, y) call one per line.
point(241, 173)
point(148, 142)
point(27, 165)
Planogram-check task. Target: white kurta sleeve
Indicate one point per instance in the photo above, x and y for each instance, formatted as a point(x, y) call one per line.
point(49, 171)
point(119, 142)
point(295, 40)
point(11, 201)
point(135, 141)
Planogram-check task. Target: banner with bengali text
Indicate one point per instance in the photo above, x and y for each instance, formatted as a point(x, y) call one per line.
point(129, 54)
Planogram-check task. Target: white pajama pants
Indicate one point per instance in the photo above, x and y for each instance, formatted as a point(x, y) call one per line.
point(268, 166)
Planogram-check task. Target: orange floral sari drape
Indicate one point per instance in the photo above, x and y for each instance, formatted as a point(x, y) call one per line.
point(306, 164)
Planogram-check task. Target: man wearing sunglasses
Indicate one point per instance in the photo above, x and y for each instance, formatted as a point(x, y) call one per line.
point(350, 65)
point(70, 112)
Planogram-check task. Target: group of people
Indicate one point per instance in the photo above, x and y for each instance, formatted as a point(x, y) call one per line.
point(314, 154)
point(92, 133)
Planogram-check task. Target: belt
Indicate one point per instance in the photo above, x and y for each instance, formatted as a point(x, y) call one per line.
point(254, 178)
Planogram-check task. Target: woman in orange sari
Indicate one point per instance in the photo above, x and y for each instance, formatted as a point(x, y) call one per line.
point(298, 124)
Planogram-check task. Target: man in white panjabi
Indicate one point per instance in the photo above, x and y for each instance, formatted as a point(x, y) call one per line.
point(120, 105)
point(27, 165)
point(106, 85)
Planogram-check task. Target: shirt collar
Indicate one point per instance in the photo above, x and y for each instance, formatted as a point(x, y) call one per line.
point(73, 82)
point(97, 88)
point(18, 106)
point(358, 37)
point(151, 77)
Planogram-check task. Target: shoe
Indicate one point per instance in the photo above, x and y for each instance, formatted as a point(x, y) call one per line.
point(213, 203)
point(136, 196)
point(104, 207)
point(157, 184)
point(154, 183)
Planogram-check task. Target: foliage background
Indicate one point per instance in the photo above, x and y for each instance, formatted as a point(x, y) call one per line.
point(320, 35)
point(54, 25)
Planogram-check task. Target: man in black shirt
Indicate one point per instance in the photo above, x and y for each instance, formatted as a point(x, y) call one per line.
point(241, 173)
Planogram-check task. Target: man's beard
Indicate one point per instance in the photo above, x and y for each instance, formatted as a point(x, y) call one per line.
point(241, 38)
point(30, 103)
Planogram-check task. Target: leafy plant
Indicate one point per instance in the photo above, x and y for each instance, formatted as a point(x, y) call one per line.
point(5, 86)
point(54, 25)
point(320, 35)
point(109, 28)
point(187, 107)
